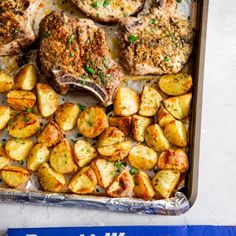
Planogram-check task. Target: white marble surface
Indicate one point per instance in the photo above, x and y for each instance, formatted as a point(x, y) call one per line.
point(216, 201)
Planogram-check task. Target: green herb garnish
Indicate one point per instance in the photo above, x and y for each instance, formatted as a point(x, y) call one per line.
point(26, 119)
point(119, 166)
point(97, 4)
point(29, 109)
point(179, 1)
point(106, 3)
point(81, 107)
point(106, 63)
point(132, 38)
point(70, 39)
point(45, 35)
point(90, 70)
point(166, 59)
point(101, 77)
point(133, 171)
point(153, 21)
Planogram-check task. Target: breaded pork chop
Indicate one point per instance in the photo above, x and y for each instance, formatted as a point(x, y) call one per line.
point(158, 43)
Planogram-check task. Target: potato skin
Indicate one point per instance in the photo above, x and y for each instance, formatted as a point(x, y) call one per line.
point(92, 122)
point(123, 123)
point(6, 82)
point(127, 106)
point(164, 117)
point(4, 159)
point(5, 115)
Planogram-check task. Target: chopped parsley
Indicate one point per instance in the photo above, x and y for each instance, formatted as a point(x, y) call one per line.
point(29, 109)
point(81, 107)
point(90, 123)
point(106, 63)
point(133, 171)
point(46, 35)
point(179, 1)
point(71, 54)
point(70, 39)
point(15, 32)
point(83, 76)
point(97, 4)
point(153, 21)
point(101, 77)
point(166, 59)
point(119, 166)
point(132, 38)
point(26, 119)
point(106, 3)
point(90, 70)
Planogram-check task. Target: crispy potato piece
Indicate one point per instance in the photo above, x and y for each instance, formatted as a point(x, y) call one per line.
point(142, 157)
point(4, 159)
point(143, 186)
point(165, 182)
point(122, 186)
point(38, 155)
point(50, 180)
point(176, 133)
point(173, 159)
point(150, 101)
point(126, 102)
point(6, 82)
point(179, 106)
point(92, 122)
point(61, 158)
point(14, 176)
point(26, 78)
point(21, 100)
point(110, 136)
point(156, 139)
point(139, 124)
point(5, 115)
point(51, 135)
point(47, 99)
point(105, 172)
point(177, 84)
point(23, 125)
point(115, 152)
point(84, 153)
point(66, 116)
point(84, 181)
point(123, 123)
point(164, 117)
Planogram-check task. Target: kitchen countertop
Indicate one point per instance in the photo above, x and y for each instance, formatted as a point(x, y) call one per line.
point(215, 202)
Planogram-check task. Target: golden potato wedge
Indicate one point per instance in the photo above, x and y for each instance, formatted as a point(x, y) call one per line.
point(150, 101)
point(50, 180)
point(177, 84)
point(92, 122)
point(173, 159)
point(47, 99)
point(142, 157)
point(21, 100)
point(84, 153)
point(123, 123)
point(5, 115)
point(176, 133)
point(61, 158)
point(164, 117)
point(26, 78)
point(105, 172)
point(66, 116)
point(37, 156)
point(143, 186)
point(165, 182)
point(115, 152)
point(6, 82)
point(139, 124)
point(51, 135)
point(126, 102)
point(84, 181)
point(179, 106)
point(15, 176)
point(4, 159)
point(156, 139)
point(122, 186)
point(110, 136)
point(23, 125)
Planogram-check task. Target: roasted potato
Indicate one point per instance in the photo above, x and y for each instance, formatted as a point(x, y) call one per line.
point(156, 139)
point(173, 159)
point(176, 133)
point(50, 180)
point(61, 158)
point(139, 124)
point(179, 106)
point(126, 102)
point(110, 136)
point(177, 84)
point(23, 125)
point(122, 186)
point(51, 135)
point(14, 176)
point(142, 157)
point(47, 99)
point(38, 155)
point(123, 123)
point(115, 152)
point(26, 78)
point(150, 101)
point(143, 186)
point(92, 122)
point(5, 115)
point(6, 82)
point(164, 117)
point(66, 116)
point(21, 100)
point(18, 149)
point(4, 159)
point(105, 172)
point(84, 181)
point(84, 153)
point(165, 182)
